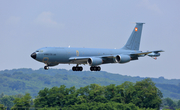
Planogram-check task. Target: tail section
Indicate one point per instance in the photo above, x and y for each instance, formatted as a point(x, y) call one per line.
point(133, 42)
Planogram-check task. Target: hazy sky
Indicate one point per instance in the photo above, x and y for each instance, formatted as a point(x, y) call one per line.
point(27, 25)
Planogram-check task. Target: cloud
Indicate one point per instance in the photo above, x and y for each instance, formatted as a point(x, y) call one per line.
point(45, 18)
point(13, 20)
point(150, 6)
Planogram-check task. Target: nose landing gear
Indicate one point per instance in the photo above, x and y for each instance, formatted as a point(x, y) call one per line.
point(46, 67)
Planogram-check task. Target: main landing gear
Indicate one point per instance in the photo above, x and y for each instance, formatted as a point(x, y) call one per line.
point(77, 68)
point(92, 68)
point(46, 67)
point(95, 68)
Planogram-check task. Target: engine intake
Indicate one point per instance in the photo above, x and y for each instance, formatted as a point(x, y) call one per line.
point(94, 61)
point(122, 58)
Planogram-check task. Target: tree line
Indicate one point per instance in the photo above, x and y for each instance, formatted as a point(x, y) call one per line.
point(20, 81)
point(142, 95)
point(132, 96)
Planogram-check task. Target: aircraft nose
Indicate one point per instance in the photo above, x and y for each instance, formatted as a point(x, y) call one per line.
point(33, 55)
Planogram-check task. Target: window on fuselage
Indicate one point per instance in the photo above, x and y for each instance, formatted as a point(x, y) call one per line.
point(39, 51)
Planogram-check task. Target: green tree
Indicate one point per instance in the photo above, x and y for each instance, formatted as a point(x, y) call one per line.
point(128, 92)
point(71, 97)
point(147, 94)
point(119, 94)
point(110, 91)
point(7, 101)
point(103, 106)
point(83, 95)
point(96, 93)
point(2, 95)
point(128, 95)
point(18, 95)
point(17, 85)
point(41, 99)
point(178, 104)
point(53, 97)
point(22, 103)
point(90, 93)
point(2, 107)
point(170, 103)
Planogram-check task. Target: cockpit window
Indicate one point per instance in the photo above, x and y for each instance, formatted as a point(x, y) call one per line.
point(39, 50)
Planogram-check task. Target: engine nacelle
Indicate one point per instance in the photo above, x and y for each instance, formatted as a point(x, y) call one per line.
point(154, 54)
point(122, 58)
point(94, 61)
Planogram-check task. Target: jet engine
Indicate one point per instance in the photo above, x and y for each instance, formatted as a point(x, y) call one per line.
point(122, 58)
point(94, 61)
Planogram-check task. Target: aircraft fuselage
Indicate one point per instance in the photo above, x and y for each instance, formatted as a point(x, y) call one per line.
point(60, 55)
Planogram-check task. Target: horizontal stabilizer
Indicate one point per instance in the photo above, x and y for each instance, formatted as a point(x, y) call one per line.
point(145, 53)
point(158, 51)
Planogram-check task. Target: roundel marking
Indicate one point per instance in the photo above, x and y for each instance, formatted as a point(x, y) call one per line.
point(45, 60)
point(136, 29)
point(77, 53)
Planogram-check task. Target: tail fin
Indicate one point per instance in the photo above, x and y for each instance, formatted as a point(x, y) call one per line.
point(133, 42)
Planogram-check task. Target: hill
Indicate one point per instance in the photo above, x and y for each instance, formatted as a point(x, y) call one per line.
point(20, 81)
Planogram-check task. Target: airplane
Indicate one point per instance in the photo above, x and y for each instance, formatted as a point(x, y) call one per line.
point(52, 56)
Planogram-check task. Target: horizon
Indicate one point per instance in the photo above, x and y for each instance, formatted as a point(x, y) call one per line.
point(82, 71)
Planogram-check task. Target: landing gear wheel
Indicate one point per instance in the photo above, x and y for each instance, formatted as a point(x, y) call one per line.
point(95, 68)
point(46, 67)
point(98, 68)
point(80, 68)
point(73, 68)
point(91, 68)
point(77, 68)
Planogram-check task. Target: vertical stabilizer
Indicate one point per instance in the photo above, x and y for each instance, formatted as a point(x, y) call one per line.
point(133, 42)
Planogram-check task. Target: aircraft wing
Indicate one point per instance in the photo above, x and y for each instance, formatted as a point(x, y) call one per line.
point(83, 60)
point(140, 53)
point(79, 60)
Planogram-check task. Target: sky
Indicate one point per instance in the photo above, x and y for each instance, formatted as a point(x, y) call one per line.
point(27, 25)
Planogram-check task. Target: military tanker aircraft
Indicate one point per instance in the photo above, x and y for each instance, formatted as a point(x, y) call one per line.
point(52, 56)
